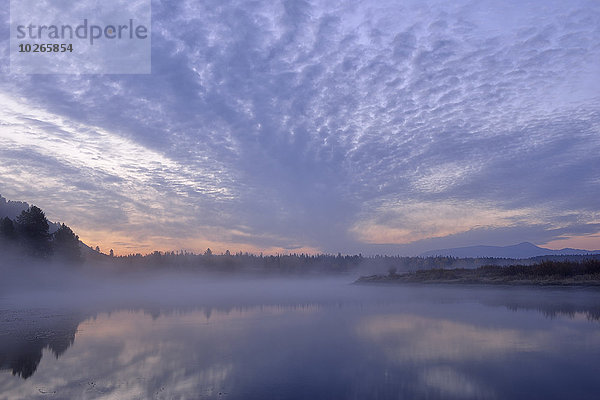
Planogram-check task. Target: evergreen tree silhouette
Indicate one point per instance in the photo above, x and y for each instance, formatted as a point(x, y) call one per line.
point(33, 228)
point(7, 229)
point(66, 244)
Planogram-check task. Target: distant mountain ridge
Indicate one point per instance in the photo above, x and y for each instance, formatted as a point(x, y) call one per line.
point(521, 250)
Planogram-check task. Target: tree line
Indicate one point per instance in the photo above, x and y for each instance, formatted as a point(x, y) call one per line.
point(295, 263)
point(29, 233)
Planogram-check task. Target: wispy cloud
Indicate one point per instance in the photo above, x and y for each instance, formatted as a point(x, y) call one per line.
point(299, 121)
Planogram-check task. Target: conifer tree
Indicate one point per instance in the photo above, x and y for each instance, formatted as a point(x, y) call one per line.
point(34, 231)
point(66, 244)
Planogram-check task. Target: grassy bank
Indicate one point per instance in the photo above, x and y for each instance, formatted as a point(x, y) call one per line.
point(557, 273)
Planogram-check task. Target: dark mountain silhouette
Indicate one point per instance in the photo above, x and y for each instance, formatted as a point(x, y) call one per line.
point(521, 250)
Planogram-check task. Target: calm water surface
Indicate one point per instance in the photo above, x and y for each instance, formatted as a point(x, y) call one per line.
point(301, 340)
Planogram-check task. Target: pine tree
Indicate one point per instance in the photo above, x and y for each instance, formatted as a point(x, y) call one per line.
point(33, 228)
point(7, 229)
point(66, 244)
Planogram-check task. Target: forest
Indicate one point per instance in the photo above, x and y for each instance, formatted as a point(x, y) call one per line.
point(29, 235)
point(581, 272)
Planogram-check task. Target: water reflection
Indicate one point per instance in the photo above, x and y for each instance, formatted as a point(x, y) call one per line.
point(364, 343)
point(26, 334)
point(567, 303)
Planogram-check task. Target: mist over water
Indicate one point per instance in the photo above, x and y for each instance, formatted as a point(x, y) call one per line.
point(179, 335)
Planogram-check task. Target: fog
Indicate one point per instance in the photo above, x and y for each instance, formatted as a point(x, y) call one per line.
point(61, 285)
point(92, 286)
point(95, 332)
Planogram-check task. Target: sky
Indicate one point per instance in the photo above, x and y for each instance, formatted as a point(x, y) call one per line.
point(389, 127)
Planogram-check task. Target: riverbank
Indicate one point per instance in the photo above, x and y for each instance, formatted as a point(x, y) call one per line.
point(586, 273)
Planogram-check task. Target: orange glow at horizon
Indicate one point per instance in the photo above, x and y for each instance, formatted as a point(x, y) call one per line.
point(123, 245)
point(199, 246)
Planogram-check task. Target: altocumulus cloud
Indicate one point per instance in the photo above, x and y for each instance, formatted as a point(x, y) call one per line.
point(333, 126)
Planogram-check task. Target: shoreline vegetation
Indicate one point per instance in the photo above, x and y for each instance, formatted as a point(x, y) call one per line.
point(545, 273)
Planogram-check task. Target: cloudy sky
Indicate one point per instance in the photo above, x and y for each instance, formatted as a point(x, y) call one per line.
point(354, 126)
